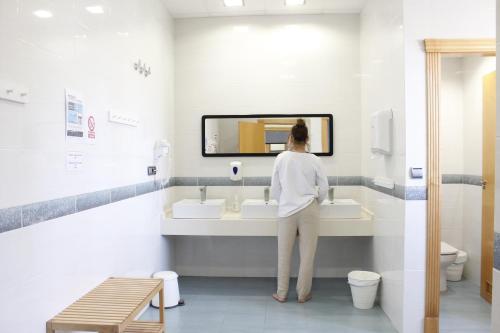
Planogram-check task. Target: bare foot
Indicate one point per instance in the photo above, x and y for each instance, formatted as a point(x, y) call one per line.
point(279, 299)
point(305, 299)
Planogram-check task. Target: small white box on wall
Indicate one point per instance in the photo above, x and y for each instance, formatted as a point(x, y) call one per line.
point(381, 132)
point(236, 171)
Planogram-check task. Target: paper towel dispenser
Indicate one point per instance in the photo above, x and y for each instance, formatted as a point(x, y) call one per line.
point(381, 132)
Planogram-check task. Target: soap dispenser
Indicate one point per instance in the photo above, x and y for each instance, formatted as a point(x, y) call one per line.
point(236, 171)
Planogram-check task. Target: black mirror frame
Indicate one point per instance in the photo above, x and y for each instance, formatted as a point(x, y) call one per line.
point(322, 115)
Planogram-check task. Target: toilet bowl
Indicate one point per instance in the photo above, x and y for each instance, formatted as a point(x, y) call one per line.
point(448, 257)
point(456, 270)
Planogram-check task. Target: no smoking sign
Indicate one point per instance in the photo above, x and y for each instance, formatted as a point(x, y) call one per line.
point(91, 127)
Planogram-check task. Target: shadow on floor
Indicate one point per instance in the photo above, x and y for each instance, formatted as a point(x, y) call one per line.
point(463, 310)
point(240, 305)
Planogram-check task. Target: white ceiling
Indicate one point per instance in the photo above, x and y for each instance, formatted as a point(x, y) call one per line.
point(206, 8)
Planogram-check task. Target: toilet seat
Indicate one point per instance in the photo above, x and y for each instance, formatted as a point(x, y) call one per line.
point(447, 249)
point(461, 257)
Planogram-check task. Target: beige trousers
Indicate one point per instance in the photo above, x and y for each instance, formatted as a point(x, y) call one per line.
point(306, 222)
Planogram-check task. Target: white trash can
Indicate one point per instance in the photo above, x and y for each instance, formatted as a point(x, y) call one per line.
point(364, 287)
point(170, 289)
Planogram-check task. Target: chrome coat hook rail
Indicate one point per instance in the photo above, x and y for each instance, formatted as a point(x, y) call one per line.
point(142, 68)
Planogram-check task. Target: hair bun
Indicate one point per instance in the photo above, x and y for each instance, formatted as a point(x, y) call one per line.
point(301, 122)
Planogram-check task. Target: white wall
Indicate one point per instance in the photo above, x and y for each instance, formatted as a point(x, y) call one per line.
point(46, 266)
point(428, 19)
point(452, 150)
point(382, 88)
point(267, 64)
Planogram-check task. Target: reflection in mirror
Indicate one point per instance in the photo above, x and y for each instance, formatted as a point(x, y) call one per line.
point(256, 135)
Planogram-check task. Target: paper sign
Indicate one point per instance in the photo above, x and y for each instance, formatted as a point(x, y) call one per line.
point(91, 129)
point(75, 117)
point(74, 160)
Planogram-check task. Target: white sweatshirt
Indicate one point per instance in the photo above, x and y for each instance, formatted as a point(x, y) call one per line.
point(294, 181)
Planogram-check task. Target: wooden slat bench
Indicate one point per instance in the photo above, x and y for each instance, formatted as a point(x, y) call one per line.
point(111, 308)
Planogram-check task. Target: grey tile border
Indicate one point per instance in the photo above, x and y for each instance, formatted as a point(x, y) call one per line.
point(349, 180)
point(47, 210)
point(400, 192)
point(416, 193)
point(17, 217)
point(122, 193)
point(256, 181)
point(11, 218)
point(92, 200)
point(184, 181)
point(218, 181)
point(23, 216)
point(497, 251)
point(473, 180)
point(147, 187)
point(461, 179)
point(333, 180)
point(452, 179)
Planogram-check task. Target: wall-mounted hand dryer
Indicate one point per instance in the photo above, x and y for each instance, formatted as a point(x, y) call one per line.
point(381, 132)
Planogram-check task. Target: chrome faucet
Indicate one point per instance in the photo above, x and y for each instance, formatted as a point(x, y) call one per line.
point(331, 194)
point(266, 194)
point(203, 193)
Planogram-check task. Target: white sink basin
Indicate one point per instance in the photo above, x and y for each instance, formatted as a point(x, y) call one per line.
point(259, 209)
point(195, 209)
point(340, 209)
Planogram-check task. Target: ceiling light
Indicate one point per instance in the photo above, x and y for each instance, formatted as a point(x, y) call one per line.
point(95, 9)
point(234, 3)
point(41, 13)
point(241, 28)
point(295, 2)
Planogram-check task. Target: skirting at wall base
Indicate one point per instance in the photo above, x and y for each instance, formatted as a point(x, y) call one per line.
point(431, 324)
point(255, 273)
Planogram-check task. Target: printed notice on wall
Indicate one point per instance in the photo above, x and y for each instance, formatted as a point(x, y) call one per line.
point(75, 117)
point(74, 160)
point(91, 128)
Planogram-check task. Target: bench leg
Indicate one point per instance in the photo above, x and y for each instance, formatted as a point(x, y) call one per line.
point(48, 327)
point(162, 307)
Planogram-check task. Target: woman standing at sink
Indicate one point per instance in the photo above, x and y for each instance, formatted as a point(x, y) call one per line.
point(295, 176)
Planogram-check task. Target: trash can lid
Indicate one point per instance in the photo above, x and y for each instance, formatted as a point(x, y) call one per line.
point(166, 275)
point(363, 276)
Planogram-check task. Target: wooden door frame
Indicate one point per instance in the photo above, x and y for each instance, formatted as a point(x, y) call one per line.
point(435, 49)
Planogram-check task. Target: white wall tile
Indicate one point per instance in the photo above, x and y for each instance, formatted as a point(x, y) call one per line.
point(93, 55)
point(50, 55)
point(472, 215)
point(382, 88)
point(73, 254)
point(222, 70)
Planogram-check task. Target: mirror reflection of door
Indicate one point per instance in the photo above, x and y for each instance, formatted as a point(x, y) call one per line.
point(488, 210)
point(252, 137)
point(266, 135)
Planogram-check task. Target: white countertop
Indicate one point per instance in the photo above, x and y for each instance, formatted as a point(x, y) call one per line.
point(231, 224)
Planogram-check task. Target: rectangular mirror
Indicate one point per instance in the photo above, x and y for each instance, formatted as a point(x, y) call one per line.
point(262, 135)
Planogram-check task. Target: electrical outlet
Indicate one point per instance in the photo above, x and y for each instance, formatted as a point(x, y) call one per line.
point(151, 170)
